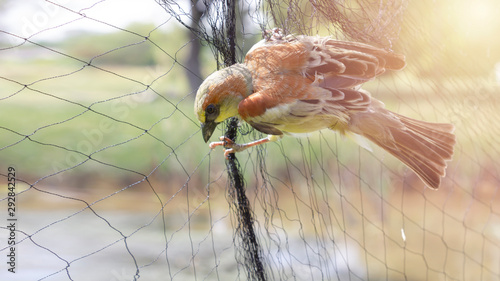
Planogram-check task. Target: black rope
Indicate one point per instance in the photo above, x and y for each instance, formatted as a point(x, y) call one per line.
point(250, 248)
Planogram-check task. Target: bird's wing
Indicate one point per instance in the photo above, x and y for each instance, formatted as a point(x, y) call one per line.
point(302, 81)
point(296, 107)
point(339, 64)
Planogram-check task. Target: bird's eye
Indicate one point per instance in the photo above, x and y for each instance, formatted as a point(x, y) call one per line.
point(211, 109)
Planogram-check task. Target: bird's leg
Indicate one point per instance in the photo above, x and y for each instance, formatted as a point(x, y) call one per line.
point(232, 147)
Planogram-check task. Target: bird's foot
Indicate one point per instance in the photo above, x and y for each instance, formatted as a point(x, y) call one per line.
point(229, 145)
point(232, 147)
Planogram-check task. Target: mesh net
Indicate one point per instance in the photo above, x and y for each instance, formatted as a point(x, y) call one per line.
point(104, 174)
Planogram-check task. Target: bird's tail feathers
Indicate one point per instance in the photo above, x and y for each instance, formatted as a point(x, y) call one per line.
point(424, 147)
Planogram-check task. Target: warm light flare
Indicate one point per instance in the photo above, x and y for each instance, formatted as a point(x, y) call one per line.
point(477, 20)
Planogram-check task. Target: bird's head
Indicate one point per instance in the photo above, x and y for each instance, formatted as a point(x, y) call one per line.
point(219, 95)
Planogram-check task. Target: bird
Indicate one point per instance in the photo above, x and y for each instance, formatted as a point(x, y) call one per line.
point(297, 84)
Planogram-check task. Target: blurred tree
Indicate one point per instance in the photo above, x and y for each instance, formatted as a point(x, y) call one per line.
point(193, 70)
point(204, 23)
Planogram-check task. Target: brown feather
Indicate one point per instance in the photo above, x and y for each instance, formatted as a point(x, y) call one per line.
point(422, 146)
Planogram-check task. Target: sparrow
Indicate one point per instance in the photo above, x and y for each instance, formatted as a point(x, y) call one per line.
point(299, 84)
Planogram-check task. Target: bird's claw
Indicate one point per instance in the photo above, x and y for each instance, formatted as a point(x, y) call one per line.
point(229, 145)
point(214, 144)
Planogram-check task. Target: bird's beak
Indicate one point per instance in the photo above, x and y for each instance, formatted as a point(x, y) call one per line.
point(207, 129)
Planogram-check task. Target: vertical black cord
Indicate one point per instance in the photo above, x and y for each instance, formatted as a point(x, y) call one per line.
point(250, 250)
